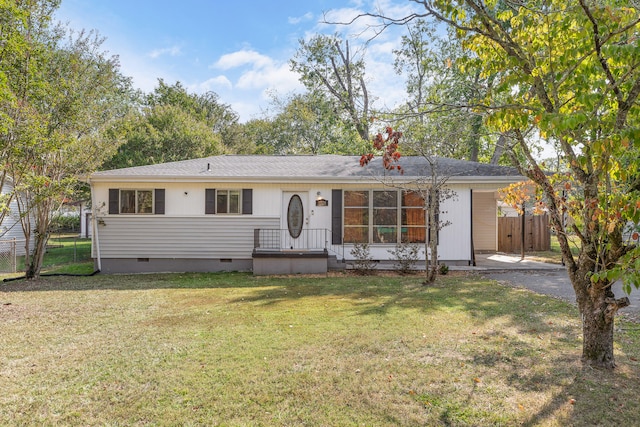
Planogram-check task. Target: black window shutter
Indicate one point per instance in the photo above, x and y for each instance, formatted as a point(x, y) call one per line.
point(159, 201)
point(210, 201)
point(114, 201)
point(336, 217)
point(247, 201)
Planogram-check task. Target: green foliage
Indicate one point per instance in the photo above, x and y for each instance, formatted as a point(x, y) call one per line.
point(443, 269)
point(164, 133)
point(65, 223)
point(59, 92)
point(304, 124)
point(327, 64)
point(173, 125)
point(569, 72)
point(444, 87)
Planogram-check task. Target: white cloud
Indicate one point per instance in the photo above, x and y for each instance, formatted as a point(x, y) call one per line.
point(213, 84)
point(275, 77)
point(258, 71)
point(144, 72)
point(247, 109)
point(298, 19)
point(249, 78)
point(241, 58)
point(171, 51)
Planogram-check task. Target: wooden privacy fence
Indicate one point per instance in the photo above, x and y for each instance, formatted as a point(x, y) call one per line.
point(537, 236)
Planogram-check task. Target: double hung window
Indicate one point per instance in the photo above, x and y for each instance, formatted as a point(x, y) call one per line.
point(414, 218)
point(136, 201)
point(228, 201)
point(385, 217)
point(379, 216)
point(356, 216)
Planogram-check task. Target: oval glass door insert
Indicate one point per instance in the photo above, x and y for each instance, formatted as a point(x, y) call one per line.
point(295, 216)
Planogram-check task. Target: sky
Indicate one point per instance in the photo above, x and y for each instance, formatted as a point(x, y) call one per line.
point(239, 49)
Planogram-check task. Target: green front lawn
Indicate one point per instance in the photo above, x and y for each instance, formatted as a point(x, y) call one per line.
point(65, 254)
point(234, 349)
point(554, 255)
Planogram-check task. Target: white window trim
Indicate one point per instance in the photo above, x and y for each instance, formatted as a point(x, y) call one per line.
point(153, 201)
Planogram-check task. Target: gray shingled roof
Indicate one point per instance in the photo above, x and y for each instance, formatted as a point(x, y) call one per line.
point(309, 167)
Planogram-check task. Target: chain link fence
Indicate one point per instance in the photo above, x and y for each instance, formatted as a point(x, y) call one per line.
point(9, 255)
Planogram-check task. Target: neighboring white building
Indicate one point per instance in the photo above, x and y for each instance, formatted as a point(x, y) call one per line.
point(86, 229)
point(282, 214)
point(10, 228)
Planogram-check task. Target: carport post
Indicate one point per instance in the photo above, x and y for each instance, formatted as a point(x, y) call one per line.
point(522, 233)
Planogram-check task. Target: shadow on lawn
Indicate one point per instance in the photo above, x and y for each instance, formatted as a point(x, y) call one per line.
point(579, 397)
point(131, 282)
point(573, 394)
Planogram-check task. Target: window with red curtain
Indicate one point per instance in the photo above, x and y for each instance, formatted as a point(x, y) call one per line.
point(414, 218)
point(356, 217)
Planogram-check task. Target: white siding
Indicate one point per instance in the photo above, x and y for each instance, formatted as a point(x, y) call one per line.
point(162, 236)
point(267, 198)
point(11, 228)
point(184, 231)
point(455, 238)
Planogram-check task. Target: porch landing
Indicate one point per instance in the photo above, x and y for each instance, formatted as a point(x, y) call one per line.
point(267, 262)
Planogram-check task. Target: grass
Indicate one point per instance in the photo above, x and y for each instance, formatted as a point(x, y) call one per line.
point(554, 255)
point(67, 249)
point(65, 254)
point(234, 349)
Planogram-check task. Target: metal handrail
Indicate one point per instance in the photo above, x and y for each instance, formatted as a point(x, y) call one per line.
point(310, 239)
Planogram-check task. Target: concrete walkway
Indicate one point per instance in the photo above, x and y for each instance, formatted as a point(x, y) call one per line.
point(500, 261)
point(543, 278)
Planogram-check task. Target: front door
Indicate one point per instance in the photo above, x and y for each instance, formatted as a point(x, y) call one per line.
point(295, 220)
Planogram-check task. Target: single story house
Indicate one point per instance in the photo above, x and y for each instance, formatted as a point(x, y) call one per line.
point(283, 214)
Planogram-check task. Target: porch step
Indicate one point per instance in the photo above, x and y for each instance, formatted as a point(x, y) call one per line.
point(289, 262)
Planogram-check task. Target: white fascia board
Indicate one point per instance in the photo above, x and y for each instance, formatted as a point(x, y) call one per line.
point(306, 180)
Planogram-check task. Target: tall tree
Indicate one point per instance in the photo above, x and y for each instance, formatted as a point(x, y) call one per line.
point(572, 76)
point(163, 133)
point(432, 188)
point(328, 64)
point(443, 89)
point(173, 124)
point(62, 92)
point(307, 123)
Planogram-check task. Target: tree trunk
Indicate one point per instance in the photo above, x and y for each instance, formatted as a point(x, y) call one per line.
point(499, 149)
point(432, 238)
point(474, 138)
point(35, 264)
point(597, 336)
point(598, 308)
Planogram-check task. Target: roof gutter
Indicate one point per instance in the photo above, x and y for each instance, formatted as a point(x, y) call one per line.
point(293, 179)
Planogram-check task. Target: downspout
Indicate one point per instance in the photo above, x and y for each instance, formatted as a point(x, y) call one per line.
point(94, 228)
point(473, 251)
point(522, 233)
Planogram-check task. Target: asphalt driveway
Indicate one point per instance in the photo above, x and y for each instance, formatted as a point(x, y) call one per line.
point(547, 279)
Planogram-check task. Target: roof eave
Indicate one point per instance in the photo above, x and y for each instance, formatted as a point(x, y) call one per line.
point(289, 180)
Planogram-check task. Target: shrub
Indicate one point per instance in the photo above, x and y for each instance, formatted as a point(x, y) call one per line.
point(443, 269)
point(62, 223)
point(363, 262)
point(406, 256)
